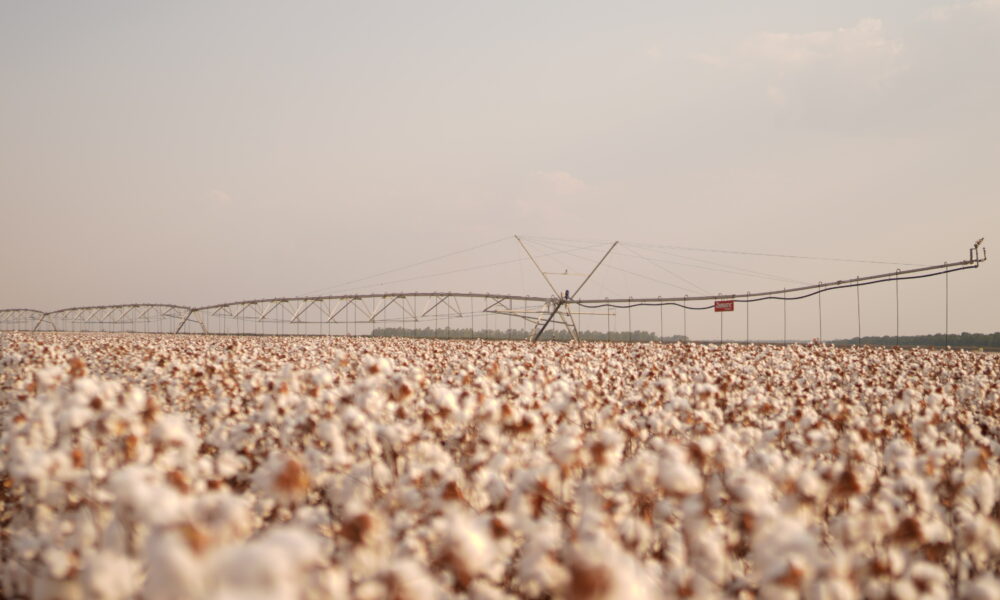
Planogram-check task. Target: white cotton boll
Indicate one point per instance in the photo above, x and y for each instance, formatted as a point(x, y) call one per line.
point(173, 570)
point(111, 576)
point(50, 377)
point(229, 464)
point(254, 570)
point(382, 475)
point(810, 485)
point(467, 547)
point(297, 545)
point(565, 448)
point(931, 579)
point(329, 583)
point(899, 456)
point(537, 571)
point(635, 534)
point(283, 478)
point(140, 493)
point(443, 399)
point(370, 397)
point(170, 431)
point(376, 365)
point(406, 580)
point(73, 417)
point(680, 478)
point(497, 490)
point(607, 573)
point(44, 588)
point(226, 517)
point(753, 491)
point(785, 552)
point(976, 458)
point(58, 562)
point(641, 473)
point(482, 590)
point(984, 587)
point(606, 447)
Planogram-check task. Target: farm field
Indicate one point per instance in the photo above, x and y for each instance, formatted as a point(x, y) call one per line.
point(166, 467)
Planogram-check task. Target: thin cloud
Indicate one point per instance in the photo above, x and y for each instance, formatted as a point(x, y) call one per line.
point(219, 198)
point(863, 42)
point(561, 183)
point(947, 12)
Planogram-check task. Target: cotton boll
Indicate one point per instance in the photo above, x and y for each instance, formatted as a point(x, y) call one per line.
point(680, 478)
point(111, 576)
point(467, 548)
point(283, 478)
point(49, 378)
point(58, 562)
point(785, 553)
point(229, 464)
point(140, 493)
point(482, 590)
point(225, 516)
point(406, 580)
point(173, 568)
point(44, 588)
point(170, 431)
point(256, 570)
point(565, 448)
point(984, 587)
point(930, 580)
point(605, 573)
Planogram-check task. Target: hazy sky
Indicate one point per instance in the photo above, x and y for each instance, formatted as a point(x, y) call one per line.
point(195, 152)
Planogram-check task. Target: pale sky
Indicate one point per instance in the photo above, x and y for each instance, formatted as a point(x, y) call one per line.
point(195, 152)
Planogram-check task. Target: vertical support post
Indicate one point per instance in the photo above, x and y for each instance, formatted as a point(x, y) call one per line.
point(819, 296)
point(748, 317)
point(784, 316)
point(630, 318)
point(946, 305)
point(684, 311)
point(661, 322)
point(857, 288)
point(897, 307)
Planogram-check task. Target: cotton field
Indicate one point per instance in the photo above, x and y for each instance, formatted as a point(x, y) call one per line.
point(172, 467)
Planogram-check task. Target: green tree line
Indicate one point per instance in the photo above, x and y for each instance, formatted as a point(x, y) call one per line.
point(957, 340)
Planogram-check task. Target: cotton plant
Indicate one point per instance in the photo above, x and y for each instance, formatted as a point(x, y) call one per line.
point(157, 466)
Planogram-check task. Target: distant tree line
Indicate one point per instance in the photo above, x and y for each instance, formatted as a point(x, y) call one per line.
point(959, 340)
point(519, 334)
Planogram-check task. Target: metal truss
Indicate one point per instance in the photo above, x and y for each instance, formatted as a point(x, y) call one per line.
point(361, 314)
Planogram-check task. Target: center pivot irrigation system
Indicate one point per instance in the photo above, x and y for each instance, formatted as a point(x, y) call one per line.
point(342, 314)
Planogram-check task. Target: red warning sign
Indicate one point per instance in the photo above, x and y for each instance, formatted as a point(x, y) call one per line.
point(723, 305)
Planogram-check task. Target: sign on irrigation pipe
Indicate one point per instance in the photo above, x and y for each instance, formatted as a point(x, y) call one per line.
point(723, 305)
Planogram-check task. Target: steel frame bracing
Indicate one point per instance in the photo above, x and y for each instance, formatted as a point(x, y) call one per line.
point(338, 314)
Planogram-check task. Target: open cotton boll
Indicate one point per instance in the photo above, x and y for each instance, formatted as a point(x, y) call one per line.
point(677, 476)
point(407, 580)
point(606, 573)
point(560, 447)
point(140, 493)
point(170, 431)
point(173, 569)
point(282, 478)
point(467, 548)
point(111, 576)
point(785, 552)
point(984, 587)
